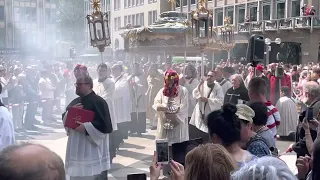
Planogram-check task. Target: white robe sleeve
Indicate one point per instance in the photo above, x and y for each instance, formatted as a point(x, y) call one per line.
point(64, 122)
point(196, 93)
point(157, 100)
point(95, 136)
point(182, 115)
point(215, 101)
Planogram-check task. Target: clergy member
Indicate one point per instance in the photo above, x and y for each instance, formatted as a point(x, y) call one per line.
point(121, 101)
point(87, 153)
point(138, 86)
point(209, 95)
point(105, 87)
point(179, 94)
point(6, 126)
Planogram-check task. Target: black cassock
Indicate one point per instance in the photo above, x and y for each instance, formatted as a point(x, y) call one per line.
point(92, 102)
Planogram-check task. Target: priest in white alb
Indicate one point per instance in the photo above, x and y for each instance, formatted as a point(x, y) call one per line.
point(105, 87)
point(122, 101)
point(210, 96)
point(171, 103)
point(87, 152)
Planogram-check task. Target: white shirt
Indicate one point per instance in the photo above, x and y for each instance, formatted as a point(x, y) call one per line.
point(122, 100)
point(46, 88)
point(6, 128)
point(190, 85)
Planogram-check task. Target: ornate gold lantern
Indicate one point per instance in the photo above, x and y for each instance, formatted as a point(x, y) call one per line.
point(98, 23)
point(227, 38)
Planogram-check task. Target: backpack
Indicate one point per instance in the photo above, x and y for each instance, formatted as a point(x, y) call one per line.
point(257, 137)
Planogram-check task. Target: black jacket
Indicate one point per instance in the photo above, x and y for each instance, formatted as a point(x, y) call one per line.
point(233, 95)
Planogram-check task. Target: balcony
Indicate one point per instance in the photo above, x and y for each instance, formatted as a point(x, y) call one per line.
point(293, 23)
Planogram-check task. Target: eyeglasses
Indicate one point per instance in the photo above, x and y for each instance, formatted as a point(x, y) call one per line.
point(79, 84)
point(209, 76)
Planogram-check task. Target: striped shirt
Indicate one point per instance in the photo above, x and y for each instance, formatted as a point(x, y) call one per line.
point(273, 118)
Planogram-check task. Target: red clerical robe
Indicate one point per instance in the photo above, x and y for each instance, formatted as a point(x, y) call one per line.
point(275, 88)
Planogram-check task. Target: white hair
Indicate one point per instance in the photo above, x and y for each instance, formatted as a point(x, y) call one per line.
point(239, 77)
point(312, 88)
point(264, 168)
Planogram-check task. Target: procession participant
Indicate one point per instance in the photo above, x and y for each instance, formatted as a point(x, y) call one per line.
point(138, 86)
point(274, 83)
point(238, 93)
point(121, 101)
point(224, 83)
point(172, 92)
point(87, 153)
point(209, 97)
point(155, 83)
point(6, 126)
point(190, 82)
point(228, 72)
point(105, 87)
point(288, 110)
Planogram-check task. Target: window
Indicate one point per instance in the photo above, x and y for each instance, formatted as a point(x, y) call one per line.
point(230, 14)
point(129, 19)
point(133, 3)
point(138, 19)
point(177, 4)
point(150, 1)
point(142, 19)
point(241, 16)
point(253, 13)
point(16, 13)
point(154, 16)
point(119, 23)
point(133, 20)
point(115, 24)
point(295, 8)
point(119, 4)
point(125, 23)
point(266, 12)
point(129, 3)
point(2, 37)
point(219, 18)
point(141, 2)
point(125, 3)
point(2, 14)
point(184, 2)
point(280, 10)
point(149, 17)
point(154, 1)
point(193, 2)
point(137, 2)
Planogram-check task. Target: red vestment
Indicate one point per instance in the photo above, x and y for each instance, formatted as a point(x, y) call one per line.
point(275, 88)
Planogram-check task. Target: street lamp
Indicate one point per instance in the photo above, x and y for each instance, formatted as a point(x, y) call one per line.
point(227, 40)
point(268, 42)
point(98, 23)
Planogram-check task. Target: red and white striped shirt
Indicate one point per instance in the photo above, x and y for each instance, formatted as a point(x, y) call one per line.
point(273, 118)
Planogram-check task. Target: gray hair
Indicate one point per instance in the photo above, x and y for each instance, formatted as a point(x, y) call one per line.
point(264, 168)
point(239, 77)
point(312, 88)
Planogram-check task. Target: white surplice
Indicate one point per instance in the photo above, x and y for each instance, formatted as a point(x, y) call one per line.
point(138, 93)
point(180, 132)
point(215, 101)
point(225, 85)
point(122, 100)
point(289, 116)
point(106, 90)
point(6, 128)
point(190, 85)
point(86, 155)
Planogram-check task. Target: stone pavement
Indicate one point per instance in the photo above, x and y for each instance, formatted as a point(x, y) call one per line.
point(135, 155)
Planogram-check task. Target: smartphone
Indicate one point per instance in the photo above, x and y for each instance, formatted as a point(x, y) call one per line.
point(180, 150)
point(141, 176)
point(162, 148)
point(309, 113)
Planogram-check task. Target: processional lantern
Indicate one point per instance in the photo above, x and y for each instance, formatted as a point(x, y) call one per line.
point(98, 24)
point(202, 26)
point(227, 38)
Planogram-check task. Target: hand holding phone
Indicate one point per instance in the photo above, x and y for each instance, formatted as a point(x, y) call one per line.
point(162, 149)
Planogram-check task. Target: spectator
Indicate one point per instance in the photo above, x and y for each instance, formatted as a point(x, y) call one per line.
point(30, 162)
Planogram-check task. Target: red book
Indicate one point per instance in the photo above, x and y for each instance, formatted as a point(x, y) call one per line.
point(77, 114)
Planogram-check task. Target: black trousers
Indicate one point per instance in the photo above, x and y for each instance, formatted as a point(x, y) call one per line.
point(195, 133)
point(123, 129)
point(31, 112)
point(138, 122)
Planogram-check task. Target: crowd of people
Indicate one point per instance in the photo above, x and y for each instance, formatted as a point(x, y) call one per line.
point(238, 112)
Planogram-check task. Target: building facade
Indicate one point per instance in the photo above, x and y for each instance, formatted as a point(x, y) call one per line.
point(272, 18)
point(28, 24)
point(134, 13)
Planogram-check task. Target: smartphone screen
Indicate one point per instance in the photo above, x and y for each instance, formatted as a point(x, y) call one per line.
point(180, 150)
point(309, 113)
point(141, 176)
point(162, 149)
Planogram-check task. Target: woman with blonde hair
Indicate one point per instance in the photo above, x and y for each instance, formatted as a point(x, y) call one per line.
point(207, 162)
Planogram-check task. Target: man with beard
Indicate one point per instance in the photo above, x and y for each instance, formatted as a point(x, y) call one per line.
point(87, 153)
point(105, 87)
point(210, 98)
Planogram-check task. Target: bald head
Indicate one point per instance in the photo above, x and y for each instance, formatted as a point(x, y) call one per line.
point(30, 162)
